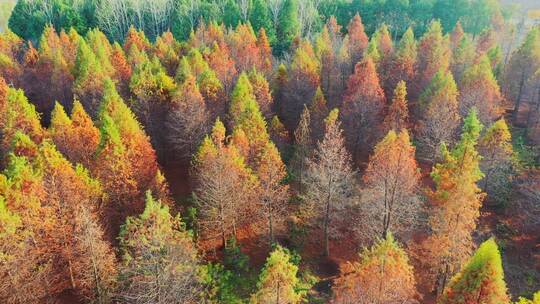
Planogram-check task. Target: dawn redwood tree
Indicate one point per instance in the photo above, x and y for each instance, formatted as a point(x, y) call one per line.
point(479, 89)
point(224, 186)
point(495, 146)
point(76, 137)
point(392, 178)
point(89, 79)
point(213, 93)
point(480, 281)
point(26, 268)
point(397, 116)
point(18, 114)
point(463, 56)
point(318, 111)
point(246, 116)
point(139, 151)
point(433, 56)
point(160, 262)
point(440, 116)
point(358, 40)
point(71, 193)
point(523, 64)
point(302, 146)
point(278, 282)
point(455, 206)
point(273, 193)
point(363, 108)
point(262, 92)
point(383, 275)
point(329, 179)
point(301, 84)
point(403, 62)
point(187, 122)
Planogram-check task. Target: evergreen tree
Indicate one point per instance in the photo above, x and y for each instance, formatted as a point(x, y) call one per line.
point(481, 280)
point(288, 27)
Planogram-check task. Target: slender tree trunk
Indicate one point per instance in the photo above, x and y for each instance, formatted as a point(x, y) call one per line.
point(326, 223)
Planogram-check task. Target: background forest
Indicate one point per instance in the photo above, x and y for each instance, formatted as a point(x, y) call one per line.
point(269, 151)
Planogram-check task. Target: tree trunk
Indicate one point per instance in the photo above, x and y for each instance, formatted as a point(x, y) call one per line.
point(326, 223)
point(518, 99)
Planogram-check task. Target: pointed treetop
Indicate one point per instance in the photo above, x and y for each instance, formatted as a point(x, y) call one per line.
point(480, 281)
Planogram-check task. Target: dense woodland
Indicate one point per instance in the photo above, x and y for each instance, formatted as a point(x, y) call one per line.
point(269, 151)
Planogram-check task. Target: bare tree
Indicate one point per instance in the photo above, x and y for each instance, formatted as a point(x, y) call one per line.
point(330, 178)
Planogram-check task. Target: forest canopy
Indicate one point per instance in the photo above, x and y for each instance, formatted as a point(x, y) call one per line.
point(269, 151)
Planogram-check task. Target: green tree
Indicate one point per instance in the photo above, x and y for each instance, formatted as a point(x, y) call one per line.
point(278, 280)
point(160, 261)
point(288, 27)
point(480, 281)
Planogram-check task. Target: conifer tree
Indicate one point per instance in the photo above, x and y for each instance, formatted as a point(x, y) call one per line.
point(279, 135)
point(481, 280)
point(433, 56)
point(495, 146)
point(392, 176)
point(397, 117)
point(213, 93)
point(288, 26)
point(302, 81)
point(18, 114)
point(278, 280)
point(76, 137)
point(159, 259)
point(273, 193)
point(463, 57)
point(139, 151)
point(329, 178)
point(363, 105)
point(187, 122)
point(479, 89)
point(383, 275)
point(89, 78)
point(221, 62)
point(245, 114)
point(440, 116)
point(223, 187)
point(455, 201)
point(318, 112)
point(358, 39)
point(524, 63)
point(262, 93)
point(403, 63)
point(302, 145)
